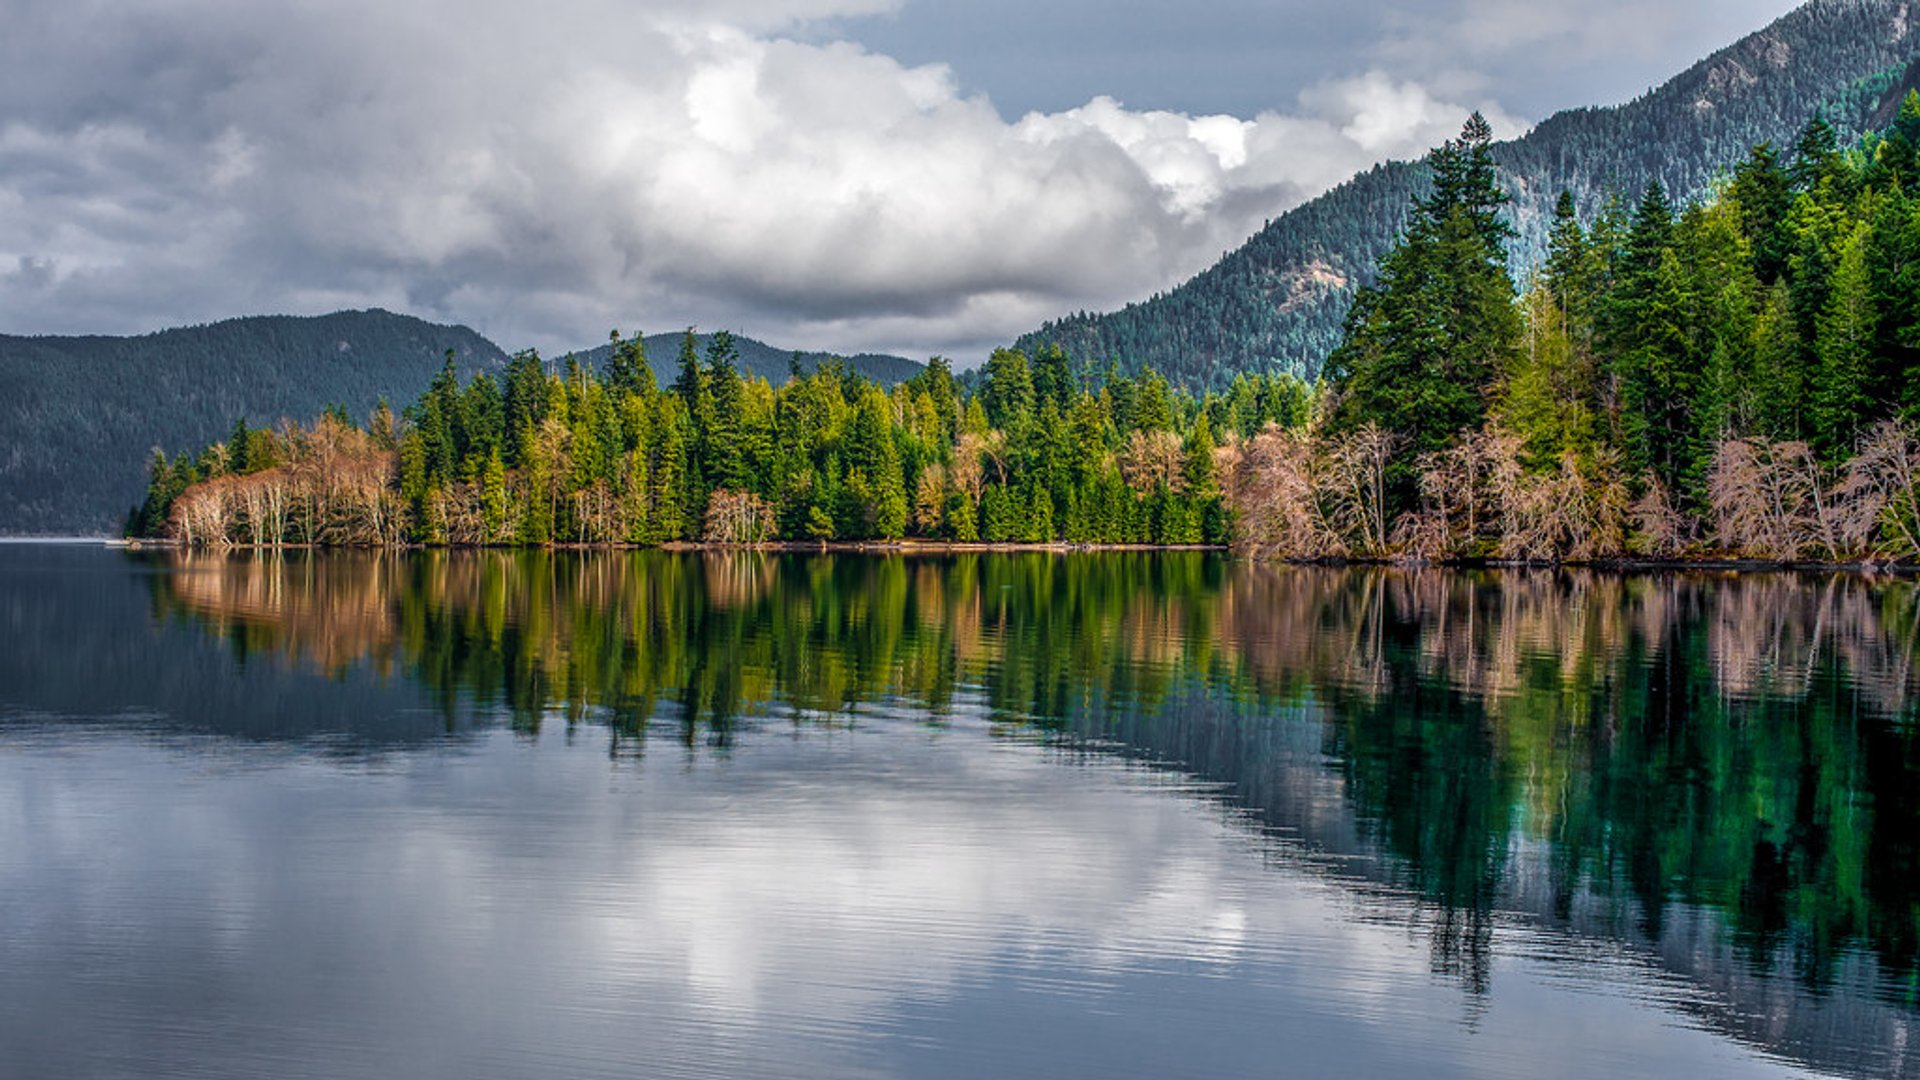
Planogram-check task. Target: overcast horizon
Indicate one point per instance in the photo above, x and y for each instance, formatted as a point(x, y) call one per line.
point(849, 175)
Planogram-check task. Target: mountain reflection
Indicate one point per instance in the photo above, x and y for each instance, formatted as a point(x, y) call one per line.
point(1622, 755)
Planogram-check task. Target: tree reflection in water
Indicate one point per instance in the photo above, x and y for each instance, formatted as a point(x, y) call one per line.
point(1608, 751)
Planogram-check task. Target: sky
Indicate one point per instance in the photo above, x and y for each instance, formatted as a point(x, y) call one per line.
point(906, 176)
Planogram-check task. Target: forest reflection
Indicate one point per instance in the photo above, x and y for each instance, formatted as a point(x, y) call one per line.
point(1608, 748)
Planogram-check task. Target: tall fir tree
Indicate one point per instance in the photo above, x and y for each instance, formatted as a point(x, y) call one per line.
point(1426, 343)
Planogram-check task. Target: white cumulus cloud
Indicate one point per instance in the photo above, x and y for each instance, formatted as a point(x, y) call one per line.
point(544, 175)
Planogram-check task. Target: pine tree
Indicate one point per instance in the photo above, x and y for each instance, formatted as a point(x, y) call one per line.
point(1779, 369)
point(1039, 525)
point(627, 369)
point(1572, 271)
point(1425, 343)
point(726, 464)
point(691, 384)
point(1763, 192)
point(1052, 377)
point(526, 403)
point(1548, 396)
point(998, 522)
point(1816, 155)
point(237, 442)
point(1843, 352)
point(493, 497)
point(1894, 251)
point(1007, 394)
point(963, 518)
point(667, 494)
point(1721, 291)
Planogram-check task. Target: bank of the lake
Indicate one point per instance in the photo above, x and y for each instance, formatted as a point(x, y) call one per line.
point(1703, 562)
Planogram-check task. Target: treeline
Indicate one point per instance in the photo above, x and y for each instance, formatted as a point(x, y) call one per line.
point(1039, 453)
point(1738, 376)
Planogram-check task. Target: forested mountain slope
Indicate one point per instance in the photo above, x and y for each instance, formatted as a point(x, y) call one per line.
point(79, 415)
point(1277, 303)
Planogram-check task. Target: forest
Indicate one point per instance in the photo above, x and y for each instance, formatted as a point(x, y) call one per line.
point(1739, 376)
point(1037, 454)
point(1277, 302)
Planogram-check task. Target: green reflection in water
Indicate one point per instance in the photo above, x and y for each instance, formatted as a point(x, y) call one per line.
point(1603, 747)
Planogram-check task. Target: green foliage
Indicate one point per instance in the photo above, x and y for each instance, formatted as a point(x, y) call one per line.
point(1843, 351)
point(1277, 303)
point(1651, 347)
point(571, 456)
point(1424, 345)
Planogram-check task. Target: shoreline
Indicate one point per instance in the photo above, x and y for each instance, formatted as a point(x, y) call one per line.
point(1630, 565)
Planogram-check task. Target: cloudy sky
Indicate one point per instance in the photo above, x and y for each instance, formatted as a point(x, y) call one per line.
point(913, 176)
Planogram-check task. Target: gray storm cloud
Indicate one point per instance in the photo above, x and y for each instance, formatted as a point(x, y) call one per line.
point(546, 174)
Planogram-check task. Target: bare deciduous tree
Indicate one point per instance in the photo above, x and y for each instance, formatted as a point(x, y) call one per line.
point(930, 500)
point(739, 519)
point(1272, 485)
point(1773, 500)
point(1663, 530)
point(1353, 475)
point(1153, 459)
point(1879, 495)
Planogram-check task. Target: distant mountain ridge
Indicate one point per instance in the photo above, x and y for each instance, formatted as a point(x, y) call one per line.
point(79, 416)
point(1277, 302)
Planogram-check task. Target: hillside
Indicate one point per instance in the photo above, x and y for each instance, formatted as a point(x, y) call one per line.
point(79, 415)
point(757, 358)
point(1278, 302)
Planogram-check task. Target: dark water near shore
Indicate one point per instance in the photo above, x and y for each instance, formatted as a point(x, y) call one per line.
point(515, 815)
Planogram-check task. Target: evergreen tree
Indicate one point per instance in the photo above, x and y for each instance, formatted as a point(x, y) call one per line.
point(963, 518)
point(237, 442)
point(1052, 377)
point(1843, 352)
point(1780, 376)
point(1007, 394)
point(998, 522)
point(691, 384)
point(725, 463)
point(627, 369)
point(1816, 155)
point(1894, 254)
point(1572, 271)
point(1039, 516)
point(1425, 343)
point(1763, 192)
point(493, 496)
point(1152, 401)
point(525, 403)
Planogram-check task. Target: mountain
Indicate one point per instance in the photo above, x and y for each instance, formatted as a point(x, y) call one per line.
point(79, 416)
point(758, 359)
point(1277, 303)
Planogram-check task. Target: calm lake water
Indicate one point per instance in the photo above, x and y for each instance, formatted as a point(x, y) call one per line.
point(529, 815)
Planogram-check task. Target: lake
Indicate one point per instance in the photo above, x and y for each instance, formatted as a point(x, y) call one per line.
point(490, 814)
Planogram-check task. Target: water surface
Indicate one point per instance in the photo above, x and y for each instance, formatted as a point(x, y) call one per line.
point(503, 815)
